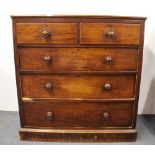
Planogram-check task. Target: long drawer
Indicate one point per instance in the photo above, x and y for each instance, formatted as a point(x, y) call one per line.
point(109, 33)
point(78, 86)
point(91, 115)
point(78, 59)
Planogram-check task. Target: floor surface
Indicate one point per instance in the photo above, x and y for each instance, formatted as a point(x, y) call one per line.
point(9, 125)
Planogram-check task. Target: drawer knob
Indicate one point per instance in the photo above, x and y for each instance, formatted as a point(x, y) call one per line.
point(45, 33)
point(49, 115)
point(48, 86)
point(110, 34)
point(47, 59)
point(108, 59)
point(107, 87)
point(106, 116)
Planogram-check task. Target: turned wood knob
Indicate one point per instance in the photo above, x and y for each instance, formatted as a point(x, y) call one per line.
point(108, 59)
point(107, 87)
point(48, 86)
point(110, 34)
point(47, 59)
point(106, 116)
point(45, 33)
point(49, 115)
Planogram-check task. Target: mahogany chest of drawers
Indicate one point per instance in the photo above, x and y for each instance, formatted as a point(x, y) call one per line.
point(78, 77)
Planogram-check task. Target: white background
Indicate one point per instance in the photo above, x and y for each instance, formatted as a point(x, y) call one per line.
point(8, 96)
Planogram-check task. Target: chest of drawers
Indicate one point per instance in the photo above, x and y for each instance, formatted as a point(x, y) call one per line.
point(78, 77)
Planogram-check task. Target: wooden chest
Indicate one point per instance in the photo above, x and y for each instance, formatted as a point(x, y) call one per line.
point(78, 77)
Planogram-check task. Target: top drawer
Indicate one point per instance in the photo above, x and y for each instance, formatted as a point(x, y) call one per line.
point(109, 33)
point(46, 33)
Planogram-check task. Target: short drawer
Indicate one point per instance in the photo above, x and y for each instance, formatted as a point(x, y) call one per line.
point(46, 114)
point(78, 59)
point(109, 33)
point(46, 33)
point(78, 86)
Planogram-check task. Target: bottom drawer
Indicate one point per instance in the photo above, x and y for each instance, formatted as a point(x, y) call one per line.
point(50, 114)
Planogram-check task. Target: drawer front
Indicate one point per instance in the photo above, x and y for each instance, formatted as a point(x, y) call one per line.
point(78, 86)
point(78, 59)
point(46, 33)
point(78, 114)
point(109, 33)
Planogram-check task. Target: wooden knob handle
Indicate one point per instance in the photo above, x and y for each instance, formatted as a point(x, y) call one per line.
point(45, 33)
point(49, 115)
point(110, 34)
point(47, 59)
point(108, 59)
point(107, 87)
point(106, 116)
point(48, 86)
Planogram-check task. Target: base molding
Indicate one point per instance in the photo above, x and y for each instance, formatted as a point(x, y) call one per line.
point(78, 135)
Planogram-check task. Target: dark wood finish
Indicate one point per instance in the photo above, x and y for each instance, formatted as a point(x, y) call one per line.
point(78, 86)
point(80, 59)
point(140, 61)
point(78, 77)
point(109, 33)
point(93, 17)
point(86, 115)
point(45, 33)
point(78, 135)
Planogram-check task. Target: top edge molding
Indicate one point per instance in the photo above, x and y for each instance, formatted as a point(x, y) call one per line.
point(80, 16)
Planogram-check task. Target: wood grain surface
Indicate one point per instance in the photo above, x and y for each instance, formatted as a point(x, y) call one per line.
point(78, 77)
point(60, 33)
point(78, 59)
point(86, 115)
point(95, 33)
point(79, 86)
